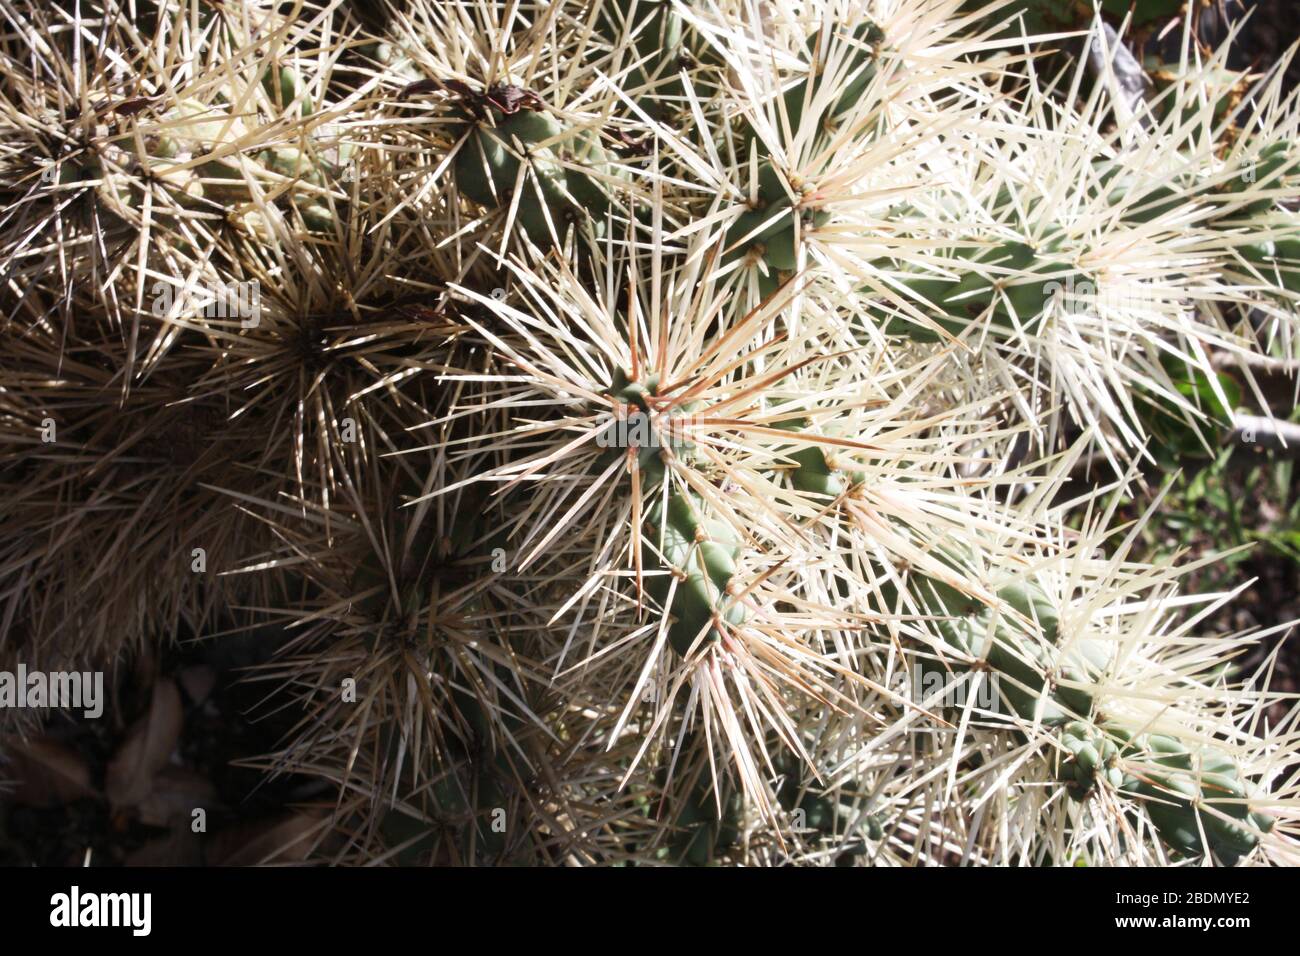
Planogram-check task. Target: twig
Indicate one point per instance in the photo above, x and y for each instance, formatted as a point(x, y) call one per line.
point(1130, 79)
point(1271, 433)
point(1272, 382)
point(1224, 361)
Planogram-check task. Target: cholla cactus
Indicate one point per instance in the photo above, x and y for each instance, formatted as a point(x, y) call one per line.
point(652, 430)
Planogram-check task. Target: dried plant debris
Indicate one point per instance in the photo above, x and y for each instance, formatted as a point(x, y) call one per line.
point(623, 432)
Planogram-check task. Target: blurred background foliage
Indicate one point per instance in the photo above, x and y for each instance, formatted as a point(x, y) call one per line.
point(1231, 504)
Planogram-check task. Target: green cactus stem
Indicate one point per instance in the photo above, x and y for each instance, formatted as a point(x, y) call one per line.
point(283, 85)
point(1277, 259)
point(1027, 664)
point(813, 474)
point(954, 304)
point(487, 164)
point(659, 47)
point(1091, 755)
point(767, 227)
point(464, 806)
point(1172, 791)
point(1273, 167)
point(1176, 782)
point(851, 82)
point(700, 555)
point(702, 834)
point(1142, 200)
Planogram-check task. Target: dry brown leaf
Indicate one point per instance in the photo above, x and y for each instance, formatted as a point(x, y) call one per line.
point(178, 848)
point(47, 773)
point(198, 682)
point(148, 744)
point(284, 839)
point(177, 792)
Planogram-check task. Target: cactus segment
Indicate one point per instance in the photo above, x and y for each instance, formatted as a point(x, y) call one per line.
point(302, 165)
point(862, 68)
point(591, 194)
point(1175, 782)
point(1278, 259)
point(702, 833)
point(194, 129)
point(977, 292)
point(633, 391)
point(284, 85)
point(530, 126)
point(702, 556)
point(548, 188)
point(775, 245)
point(1092, 755)
point(640, 423)
point(699, 553)
point(819, 813)
point(754, 226)
point(462, 807)
point(770, 281)
point(486, 170)
point(659, 47)
point(1141, 201)
point(1028, 295)
point(1021, 659)
point(292, 164)
point(825, 816)
point(852, 81)
point(814, 474)
point(768, 226)
point(931, 294)
point(317, 217)
point(779, 251)
point(1141, 204)
point(1273, 167)
point(1031, 665)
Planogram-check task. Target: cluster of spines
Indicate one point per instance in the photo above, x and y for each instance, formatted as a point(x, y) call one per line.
point(525, 158)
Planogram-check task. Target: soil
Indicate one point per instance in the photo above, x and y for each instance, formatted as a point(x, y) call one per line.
point(224, 720)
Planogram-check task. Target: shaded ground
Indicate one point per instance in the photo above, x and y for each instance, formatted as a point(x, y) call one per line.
point(122, 790)
point(1245, 498)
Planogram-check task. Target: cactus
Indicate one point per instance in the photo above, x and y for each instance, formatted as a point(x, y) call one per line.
point(1178, 782)
point(509, 143)
point(700, 556)
point(645, 397)
point(658, 43)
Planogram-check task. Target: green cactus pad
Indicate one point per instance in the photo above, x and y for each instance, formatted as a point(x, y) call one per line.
point(990, 290)
point(1176, 782)
point(1274, 166)
point(702, 833)
point(701, 555)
